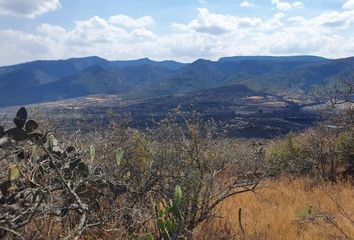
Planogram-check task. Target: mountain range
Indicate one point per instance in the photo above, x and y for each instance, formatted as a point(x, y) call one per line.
point(42, 81)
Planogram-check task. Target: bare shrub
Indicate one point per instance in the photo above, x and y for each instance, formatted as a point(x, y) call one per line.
point(46, 181)
point(192, 155)
point(117, 181)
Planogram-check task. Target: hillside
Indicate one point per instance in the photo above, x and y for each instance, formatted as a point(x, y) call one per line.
point(42, 81)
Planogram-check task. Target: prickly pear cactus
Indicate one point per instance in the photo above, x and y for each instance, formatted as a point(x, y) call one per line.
point(37, 177)
point(23, 129)
point(21, 117)
point(119, 156)
point(52, 143)
point(169, 217)
point(1, 131)
point(9, 139)
point(30, 126)
point(92, 153)
point(177, 197)
point(14, 172)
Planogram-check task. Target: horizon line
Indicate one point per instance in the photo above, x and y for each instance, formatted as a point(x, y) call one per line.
point(165, 60)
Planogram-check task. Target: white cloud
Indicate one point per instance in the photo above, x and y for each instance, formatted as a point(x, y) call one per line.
point(16, 46)
point(298, 5)
point(349, 4)
point(247, 4)
point(282, 6)
point(330, 20)
point(28, 8)
point(129, 22)
point(218, 24)
point(209, 35)
point(296, 19)
point(207, 22)
point(94, 36)
point(51, 30)
point(286, 6)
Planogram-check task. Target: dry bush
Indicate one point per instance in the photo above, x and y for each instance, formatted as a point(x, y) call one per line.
point(111, 182)
point(191, 155)
point(324, 151)
point(47, 182)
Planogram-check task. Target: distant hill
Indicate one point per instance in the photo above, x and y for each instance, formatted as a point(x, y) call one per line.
point(273, 58)
point(41, 81)
point(146, 61)
point(275, 75)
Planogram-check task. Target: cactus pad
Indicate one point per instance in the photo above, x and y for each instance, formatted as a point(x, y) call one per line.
point(17, 134)
point(31, 125)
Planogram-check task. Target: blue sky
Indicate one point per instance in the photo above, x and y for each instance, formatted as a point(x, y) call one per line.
point(183, 30)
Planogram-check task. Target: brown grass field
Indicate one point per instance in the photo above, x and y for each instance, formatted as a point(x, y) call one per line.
point(286, 209)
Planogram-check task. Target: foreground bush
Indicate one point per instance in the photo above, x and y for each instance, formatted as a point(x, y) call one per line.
point(47, 180)
point(115, 183)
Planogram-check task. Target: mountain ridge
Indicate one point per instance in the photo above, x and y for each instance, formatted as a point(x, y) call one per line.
point(50, 80)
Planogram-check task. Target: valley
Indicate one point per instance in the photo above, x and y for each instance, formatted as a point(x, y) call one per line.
point(241, 112)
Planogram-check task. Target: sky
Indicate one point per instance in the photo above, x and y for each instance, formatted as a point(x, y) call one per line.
point(182, 30)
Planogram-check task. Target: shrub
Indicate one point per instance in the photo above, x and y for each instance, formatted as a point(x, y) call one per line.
point(115, 178)
point(288, 156)
point(324, 151)
point(192, 155)
point(46, 180)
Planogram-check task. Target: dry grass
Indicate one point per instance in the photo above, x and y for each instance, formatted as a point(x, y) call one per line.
point(280, 210)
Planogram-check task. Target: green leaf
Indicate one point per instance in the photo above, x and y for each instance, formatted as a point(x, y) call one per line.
point(160, 224)
point(178, 195)
point(14, 172)
point(170, 203)
point(160, 213)
point(174, 223)
point(119, 156)
point(149, 237)
point(169, 226)
point(92, 153)
point(177, 213)
point(52, 142)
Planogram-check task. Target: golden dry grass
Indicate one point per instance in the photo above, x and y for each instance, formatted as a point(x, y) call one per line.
point(279, 211)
